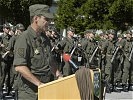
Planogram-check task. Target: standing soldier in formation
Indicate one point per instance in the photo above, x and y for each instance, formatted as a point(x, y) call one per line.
point(127, 63)
point(102, 42)
point(118, 63)
point(107, 50)
point(67, 45)
point(5, 63)
point(84, 40)
point(18, 31)
point(131, 67)
point(89, 46)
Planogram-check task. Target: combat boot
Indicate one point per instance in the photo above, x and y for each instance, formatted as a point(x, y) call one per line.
point(115, 89)
point(131, 87)
point(1, 95)
point(119, 86)
point(108, 90)
point(125, 88)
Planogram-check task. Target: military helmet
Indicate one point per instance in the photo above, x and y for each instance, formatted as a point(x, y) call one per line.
point(129, 32)
point(120, 36)
point(111, 31)
point(20, 26)
point(71, 29)
point(6, 25)
point(89, 31)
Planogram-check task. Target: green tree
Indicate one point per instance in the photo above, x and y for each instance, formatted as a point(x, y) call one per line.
point(16, 11)
point(94, 14)
point(121, 14)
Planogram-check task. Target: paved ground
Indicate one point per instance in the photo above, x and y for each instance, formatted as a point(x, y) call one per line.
point(119, 96)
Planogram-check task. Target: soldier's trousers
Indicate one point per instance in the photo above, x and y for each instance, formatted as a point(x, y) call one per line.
point(117, 71)
point(108, 69)
point(67, 70)
point(27, 90)
point(131, 74)
point(6, 75)
point(126, 67)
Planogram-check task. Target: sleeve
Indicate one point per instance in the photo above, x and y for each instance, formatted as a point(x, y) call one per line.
point(123, 43)
point(62, 43)
point(105, 45)
point(11, 44)
point(20, 51)
point(84, 44)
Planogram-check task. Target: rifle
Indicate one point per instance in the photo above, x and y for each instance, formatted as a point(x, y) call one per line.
point(131, 53)
point(55, 46)
point(92, 56)
point(73, 50)
point(74, 47)
point(114, 55)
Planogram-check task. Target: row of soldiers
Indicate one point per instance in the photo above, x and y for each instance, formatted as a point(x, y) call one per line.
point(112, 56)
point(7, 42)
point(111, 53)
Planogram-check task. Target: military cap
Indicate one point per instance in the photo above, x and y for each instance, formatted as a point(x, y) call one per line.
point(101, 34)
point(120, 36)
point(128, 32)
point(6, 25)
point(40, 9)
point(111, 31)
point(20, 26)
point(89, 31)
point(71, 29)
point(124, 32)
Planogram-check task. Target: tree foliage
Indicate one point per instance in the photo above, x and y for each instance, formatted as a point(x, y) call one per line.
point(16, 11)
point(81, 14)
point(94, 14)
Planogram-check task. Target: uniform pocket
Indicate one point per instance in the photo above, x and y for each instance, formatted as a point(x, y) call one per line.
point(37, 61)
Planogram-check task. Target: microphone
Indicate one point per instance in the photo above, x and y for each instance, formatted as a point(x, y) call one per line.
point(67, 58)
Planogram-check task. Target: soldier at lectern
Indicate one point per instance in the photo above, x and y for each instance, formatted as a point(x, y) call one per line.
point(32, 57)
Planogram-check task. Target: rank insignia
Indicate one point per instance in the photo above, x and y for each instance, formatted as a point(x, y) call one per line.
point(36, 51)
point(21, 52)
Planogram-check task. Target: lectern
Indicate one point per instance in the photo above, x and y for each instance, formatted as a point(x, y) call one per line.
point(61, 89)
point(67, 89)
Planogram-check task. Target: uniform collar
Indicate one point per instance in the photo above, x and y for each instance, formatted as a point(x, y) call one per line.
point(32, 32)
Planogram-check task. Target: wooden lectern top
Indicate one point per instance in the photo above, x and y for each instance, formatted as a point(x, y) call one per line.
point(62, 89)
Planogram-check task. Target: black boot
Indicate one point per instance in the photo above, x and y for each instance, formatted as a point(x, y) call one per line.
point(108, 90)
point(131, 87)
point(1, 94)
point(125, 88)
point(115, 89)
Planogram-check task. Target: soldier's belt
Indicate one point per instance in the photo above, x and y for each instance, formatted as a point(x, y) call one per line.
point(41, 74)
